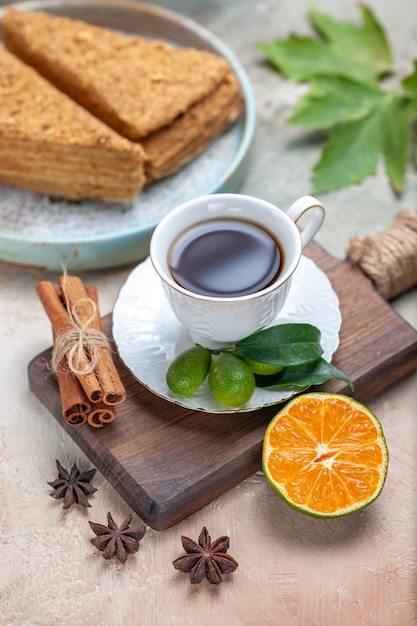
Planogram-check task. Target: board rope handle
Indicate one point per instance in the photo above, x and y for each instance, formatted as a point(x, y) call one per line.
point(390, 258)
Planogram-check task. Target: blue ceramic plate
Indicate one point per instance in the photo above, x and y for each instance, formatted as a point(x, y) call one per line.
point(36, 231)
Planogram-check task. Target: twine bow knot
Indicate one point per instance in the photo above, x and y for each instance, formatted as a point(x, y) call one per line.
point(80, 345)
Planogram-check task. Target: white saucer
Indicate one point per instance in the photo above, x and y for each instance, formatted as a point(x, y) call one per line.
point(148, 336)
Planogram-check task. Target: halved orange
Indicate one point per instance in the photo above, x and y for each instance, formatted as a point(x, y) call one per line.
point(325, 454)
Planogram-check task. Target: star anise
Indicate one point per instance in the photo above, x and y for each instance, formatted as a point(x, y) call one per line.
point(206, 559)
point(74, 487)
point(114, 541)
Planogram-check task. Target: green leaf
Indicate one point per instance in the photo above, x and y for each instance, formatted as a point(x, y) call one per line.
point(366, 45)
point(396, 135)
point(331, 101)
point(352, 153)
point(410, 82)
point(358, 53)
point(295, 378)
point(409, 85)
point(283, 344)
point(354, 149)
point(344, 63)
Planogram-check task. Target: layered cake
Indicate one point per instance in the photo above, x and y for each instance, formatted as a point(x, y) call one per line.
point(171, 101)
point(50, 144)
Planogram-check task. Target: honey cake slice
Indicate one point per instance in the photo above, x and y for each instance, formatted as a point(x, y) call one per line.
point(170, 148)
point(51, 145)
point(133, 84)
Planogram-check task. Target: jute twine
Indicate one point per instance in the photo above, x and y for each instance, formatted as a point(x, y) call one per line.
point(79, 347)
point(389, 258)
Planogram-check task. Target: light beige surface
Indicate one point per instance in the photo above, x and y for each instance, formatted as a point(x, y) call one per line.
point(293, 570)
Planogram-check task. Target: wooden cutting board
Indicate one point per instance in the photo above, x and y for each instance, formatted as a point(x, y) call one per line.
point(167, 461)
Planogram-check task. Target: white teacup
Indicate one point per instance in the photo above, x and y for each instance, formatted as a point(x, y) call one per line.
point(211, 319)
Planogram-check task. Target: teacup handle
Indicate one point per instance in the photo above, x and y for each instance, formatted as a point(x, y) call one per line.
point(315, 218)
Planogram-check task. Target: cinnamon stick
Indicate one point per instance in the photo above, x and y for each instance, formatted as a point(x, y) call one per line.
point(62, 324)
point(75, 406)
point(88, 381)
point(76, 294)
point(100, 414)
point(113, 388)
